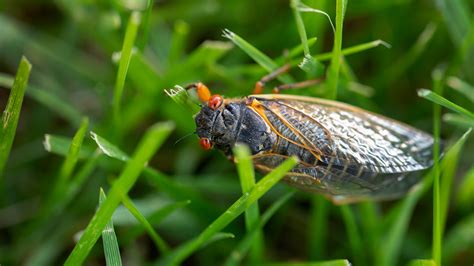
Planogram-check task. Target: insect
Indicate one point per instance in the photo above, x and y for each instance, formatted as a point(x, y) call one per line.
point(346, 153)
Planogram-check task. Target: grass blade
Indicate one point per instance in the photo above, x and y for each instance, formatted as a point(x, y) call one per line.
point(458, 120)
point(263, 60)
point(461, 86)
point(300, 26)
point(60, 145)
point(125, 57)
point(460, 238)
point(318, 227)
point(353, 235)
point(12, 111)
point(108, 148)
point(146, 25)
point(153, 138)
point(422, 263)
point(333, 71)
point(111, 247)
point(438, 76)
point(73, 153)
point(159, 242)
point(177, 191)
point(456, 17)
point(438, 99)
point(180, 254)
point(242, 248)
point(465, 195)
point(59, 106)
point(353, 49)
point(397, 229)
point(319, 263)
point(181, 97)
point(252, 214)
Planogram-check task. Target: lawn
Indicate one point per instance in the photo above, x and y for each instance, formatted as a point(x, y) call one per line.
point(99, 165)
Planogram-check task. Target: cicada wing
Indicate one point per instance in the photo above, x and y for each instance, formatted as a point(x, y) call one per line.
point(338, 185)
point(348, 136)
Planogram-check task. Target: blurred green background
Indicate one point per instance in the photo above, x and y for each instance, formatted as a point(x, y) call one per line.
point(74, 48)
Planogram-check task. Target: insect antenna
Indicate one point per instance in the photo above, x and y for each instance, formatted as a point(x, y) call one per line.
point(183, 137)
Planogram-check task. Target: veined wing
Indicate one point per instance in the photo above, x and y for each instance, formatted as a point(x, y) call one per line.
point(337, 185)
point(358, 142)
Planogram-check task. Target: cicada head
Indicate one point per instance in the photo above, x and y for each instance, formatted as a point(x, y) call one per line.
point(231, 122)
point(218, 127)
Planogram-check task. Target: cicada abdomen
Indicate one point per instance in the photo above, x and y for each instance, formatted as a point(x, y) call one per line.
point(346, 153)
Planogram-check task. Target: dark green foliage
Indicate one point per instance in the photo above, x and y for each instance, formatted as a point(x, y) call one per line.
point(100, 70)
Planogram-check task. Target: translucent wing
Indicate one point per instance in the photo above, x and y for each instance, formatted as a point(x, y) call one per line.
point(360, 154)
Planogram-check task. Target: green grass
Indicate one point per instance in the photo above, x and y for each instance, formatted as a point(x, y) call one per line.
point(252, 214)
point(114, 63)
point(232, 212)
point(11, 114)
point(147, 147)
point(109, 239)
point(124, 62)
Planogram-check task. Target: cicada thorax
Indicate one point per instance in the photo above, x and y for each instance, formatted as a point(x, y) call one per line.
point(234, 122)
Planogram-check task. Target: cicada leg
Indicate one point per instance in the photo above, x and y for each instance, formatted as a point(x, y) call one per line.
point(297, 85)
point(260, 85)
point(202, 90)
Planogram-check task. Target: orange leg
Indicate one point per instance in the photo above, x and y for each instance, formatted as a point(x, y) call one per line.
point(297, 85)
point(260, 85)
point(203, 92)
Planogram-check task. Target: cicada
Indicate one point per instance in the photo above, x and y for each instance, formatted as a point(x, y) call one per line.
point(346, 153)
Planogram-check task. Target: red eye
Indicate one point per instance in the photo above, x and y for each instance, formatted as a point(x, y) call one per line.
point(215, 101)
point(205, 143)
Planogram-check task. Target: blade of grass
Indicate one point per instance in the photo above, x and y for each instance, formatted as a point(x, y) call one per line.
point(333, 71)
point(111, 247)
point(300, 26)
point(12, 112)
point(456, 17)
point(422, 263)
point(125, 57)
point(458, 120)
point(57, 105)
point(411, 56)
point(156, 217)
point(146, 25)
point(252, 214)
point(355, 241)
point(459, 239)
point(353, 49)
point(153, 138)
point(67, 167)
point(319, 263)
point(438, 76)
point(244, 245)
point(178, 42)
point(318, 227)
point(181, 253)
point(370, 227)
point(73, 153)
point(461, 86)
point(181, 97)
point(401, 214)
point(60, 145)
point(465, 194)
point(200, 206)
point(159, 242)
point(304, 8)
point(263, 60)
point(438, 99)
